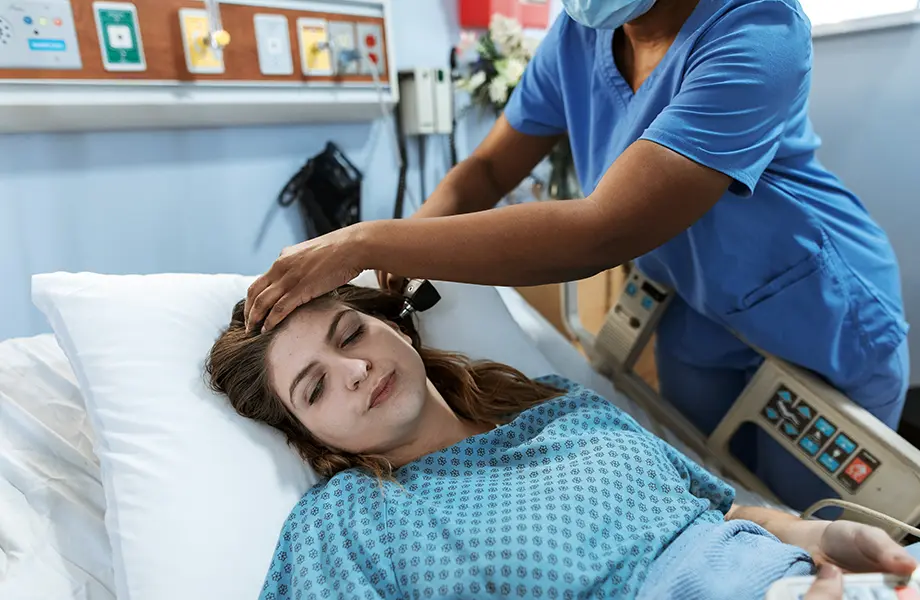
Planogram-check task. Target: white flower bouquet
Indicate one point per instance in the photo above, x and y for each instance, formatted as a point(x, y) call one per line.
point(494, 64)
point(502, 54)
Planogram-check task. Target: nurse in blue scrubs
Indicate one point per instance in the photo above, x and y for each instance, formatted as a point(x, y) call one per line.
point(688, 121)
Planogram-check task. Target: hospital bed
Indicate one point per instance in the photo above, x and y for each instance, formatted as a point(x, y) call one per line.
point(53, 543)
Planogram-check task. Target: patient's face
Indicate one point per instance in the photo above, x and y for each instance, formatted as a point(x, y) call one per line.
point(353, 380)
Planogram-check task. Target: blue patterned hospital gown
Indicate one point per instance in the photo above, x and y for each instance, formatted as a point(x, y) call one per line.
point(572, 499)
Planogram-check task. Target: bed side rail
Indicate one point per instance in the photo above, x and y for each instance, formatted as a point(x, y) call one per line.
point(864, 461)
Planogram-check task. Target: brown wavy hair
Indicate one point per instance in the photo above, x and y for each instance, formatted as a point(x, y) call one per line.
point(480, 391)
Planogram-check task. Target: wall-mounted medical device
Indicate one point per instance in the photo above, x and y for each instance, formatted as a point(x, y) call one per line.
point(426, 105)
point(70, 65)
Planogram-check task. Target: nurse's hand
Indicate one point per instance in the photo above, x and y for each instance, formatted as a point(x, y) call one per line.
point(859, 548)
point(302, 273)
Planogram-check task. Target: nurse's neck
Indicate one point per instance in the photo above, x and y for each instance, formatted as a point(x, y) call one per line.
point(641, 44)
point(660, 24)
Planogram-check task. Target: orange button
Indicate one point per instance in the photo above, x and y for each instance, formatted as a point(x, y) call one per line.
point(370, 41)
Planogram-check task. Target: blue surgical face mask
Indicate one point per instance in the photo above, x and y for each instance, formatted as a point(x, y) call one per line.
point(606, 14)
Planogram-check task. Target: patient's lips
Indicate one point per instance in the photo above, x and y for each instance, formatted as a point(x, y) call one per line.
point(383, 390)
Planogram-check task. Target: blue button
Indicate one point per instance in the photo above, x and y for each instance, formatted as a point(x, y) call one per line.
point(845, 444)
point(786, 396)
point(48, 45)
point(27, 20)
point(825, 427)
point(804, 410)
point(829, 462)
point(631, 289)
point(809, 445)
point(790, 429)
point(771, 413)
point(647, 303)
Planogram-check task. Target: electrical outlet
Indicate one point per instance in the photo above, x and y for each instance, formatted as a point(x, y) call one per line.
point(200, 58)
point(273, 42)
point(370, 39)
point(342, 34)
point(315, 56)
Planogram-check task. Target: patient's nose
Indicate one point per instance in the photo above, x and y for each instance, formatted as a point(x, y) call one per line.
point(356, 372)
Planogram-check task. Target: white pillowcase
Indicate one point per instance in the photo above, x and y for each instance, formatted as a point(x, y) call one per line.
point(196, 495)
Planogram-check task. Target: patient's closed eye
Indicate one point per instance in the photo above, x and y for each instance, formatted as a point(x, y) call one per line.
point(317, 390)
point(353, 337)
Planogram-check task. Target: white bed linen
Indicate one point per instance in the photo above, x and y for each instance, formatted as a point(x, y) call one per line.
point(53, 544)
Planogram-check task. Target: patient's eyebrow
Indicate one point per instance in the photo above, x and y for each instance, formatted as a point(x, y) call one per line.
point(333, 326)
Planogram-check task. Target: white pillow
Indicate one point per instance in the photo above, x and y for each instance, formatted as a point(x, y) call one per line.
point(196, 495)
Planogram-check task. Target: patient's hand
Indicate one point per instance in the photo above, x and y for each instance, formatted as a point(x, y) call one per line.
point(853, 547)
point(859, 548)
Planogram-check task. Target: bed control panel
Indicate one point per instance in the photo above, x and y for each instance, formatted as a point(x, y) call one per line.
point(631, 323)
point(819, 438)
point(864, 461)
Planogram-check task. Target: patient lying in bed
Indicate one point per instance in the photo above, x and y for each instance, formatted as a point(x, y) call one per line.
point(450, 478)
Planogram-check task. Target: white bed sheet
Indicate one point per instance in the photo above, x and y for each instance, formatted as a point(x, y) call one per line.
point(53, 544)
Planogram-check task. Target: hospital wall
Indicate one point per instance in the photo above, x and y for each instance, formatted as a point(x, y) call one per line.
point(193, 200)
point(865, 106)
point(203, 200)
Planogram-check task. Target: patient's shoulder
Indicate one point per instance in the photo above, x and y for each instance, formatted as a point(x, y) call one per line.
point(575, 397)
point(347, 490)
point(571, 390)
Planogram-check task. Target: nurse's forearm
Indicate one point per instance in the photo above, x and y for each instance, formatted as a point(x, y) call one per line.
point(468, 187)
point(647, 197)
point(503, 159)
point(526, 244)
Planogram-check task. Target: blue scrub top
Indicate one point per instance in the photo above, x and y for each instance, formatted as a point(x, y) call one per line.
point(788, 258)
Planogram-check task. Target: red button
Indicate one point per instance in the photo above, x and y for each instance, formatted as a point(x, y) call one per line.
point(858, 470)
point(58, 22)
point(373, 58)
point(370, 41)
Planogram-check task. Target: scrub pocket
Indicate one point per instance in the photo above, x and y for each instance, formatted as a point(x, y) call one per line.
point(820, 316)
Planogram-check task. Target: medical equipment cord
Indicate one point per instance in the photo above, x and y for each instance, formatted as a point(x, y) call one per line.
point(421, 166)
point(866, 512)
point(398, 206)
point(452, 138)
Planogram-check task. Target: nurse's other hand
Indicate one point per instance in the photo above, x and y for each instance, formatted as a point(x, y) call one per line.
point(828, 585)
point(388, 281)
point(859, 548)
point(302, 273)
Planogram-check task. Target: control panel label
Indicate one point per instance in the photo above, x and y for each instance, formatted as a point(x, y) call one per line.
point(47, 45)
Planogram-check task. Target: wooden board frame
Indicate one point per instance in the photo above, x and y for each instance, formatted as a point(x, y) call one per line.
point(162, 37)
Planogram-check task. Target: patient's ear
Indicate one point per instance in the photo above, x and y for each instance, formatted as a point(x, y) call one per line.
point(398, 330)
